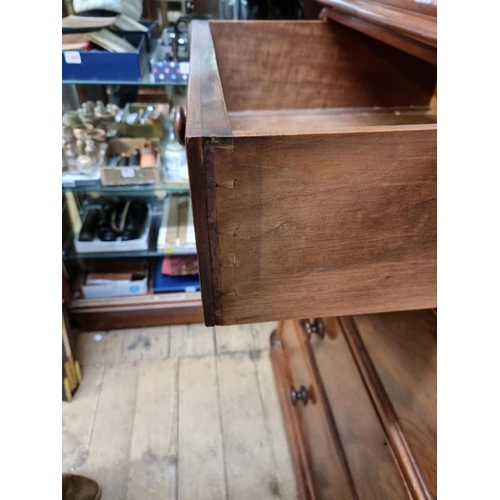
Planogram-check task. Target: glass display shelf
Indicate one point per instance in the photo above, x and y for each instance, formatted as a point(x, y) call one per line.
point(69, 252)
point(164, 187)
point(147, 81)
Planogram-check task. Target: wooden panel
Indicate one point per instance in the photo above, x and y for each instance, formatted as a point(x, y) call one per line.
point(266, 122)
point(350, 217)
point(137, 315)
point(310, 64)
point(326, 474)
point(425, 8)
point(414, 47)
point(375, 473)
point(151, 464)
point(247, 444)
point(419, 27)
point(201, 456)
point(403, 350)
point(206, 111)
point(206, 118)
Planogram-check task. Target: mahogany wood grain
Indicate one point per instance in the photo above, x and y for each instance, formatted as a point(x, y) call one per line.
point(350, 216)
point(304, 480)
point(427, 8)
point(414, 47)
point(180, 124)
point(384, 404)
point(323, 456)
point(375, 473)
point(349, 211)
point(206, 121)
point(407, 23)
point(403, 350)
point(267, 122)
point(102, 320)
point(311, 64)
point(206, 109)
point(138, 311)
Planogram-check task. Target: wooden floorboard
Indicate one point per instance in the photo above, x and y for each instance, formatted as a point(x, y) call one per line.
point(183, 412)
point(153, 451)
point(191, 340)
point(233, 338)
point(109, 454)
point(201, 456)
point(78, 419)
point(247, 443)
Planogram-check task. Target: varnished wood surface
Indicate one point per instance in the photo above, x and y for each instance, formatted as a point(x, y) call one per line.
point(329, 473)
point(414, 47)
point(427, 8)
point(346, 211)
point(408, 23)
point(383, 412)
point(155, 419)
point(350, 217)
point(268, 122)
point(310, 64)
point(137, 311)
point(403, 350)
point(368, 452)
point(206, 111)
point(206, 121)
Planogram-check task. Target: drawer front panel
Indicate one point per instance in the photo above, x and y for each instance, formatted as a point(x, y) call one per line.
point(403, 350)
point(320, 460)
point(351, 217)
point(375, 473)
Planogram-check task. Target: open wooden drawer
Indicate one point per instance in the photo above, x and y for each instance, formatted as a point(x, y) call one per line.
point(312, 159)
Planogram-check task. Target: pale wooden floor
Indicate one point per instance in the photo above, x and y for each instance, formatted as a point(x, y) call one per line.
point(183, 412)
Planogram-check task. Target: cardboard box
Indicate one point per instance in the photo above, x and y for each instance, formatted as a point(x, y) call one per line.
point(123, 176)
point(102, 65)
point(153, 130)
point(100, 289)
point(80, 180)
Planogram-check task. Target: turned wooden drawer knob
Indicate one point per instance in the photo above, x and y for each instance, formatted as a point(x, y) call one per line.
point(317, 327)
point(300, 395)
point(180, 124)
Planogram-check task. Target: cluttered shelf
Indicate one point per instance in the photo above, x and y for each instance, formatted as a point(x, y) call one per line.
point(121, 51)
point(154, 229)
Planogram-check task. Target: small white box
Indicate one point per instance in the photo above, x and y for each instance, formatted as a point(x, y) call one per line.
point(111, 288)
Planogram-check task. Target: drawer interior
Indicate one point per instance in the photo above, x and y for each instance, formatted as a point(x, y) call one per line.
point(299, 77)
